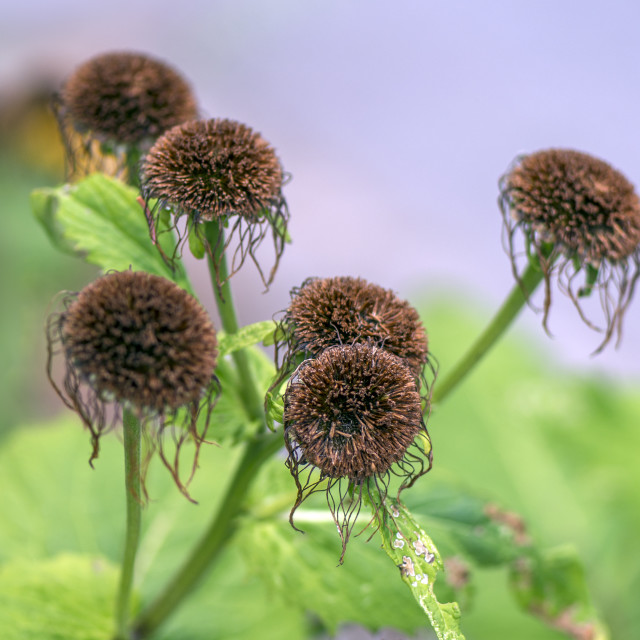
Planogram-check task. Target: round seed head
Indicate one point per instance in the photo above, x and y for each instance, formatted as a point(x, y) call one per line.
point(579, 216)
point(141, 340)
point(352, 412)
point(127, 98)
point(578, 201)
point(344, 310)
point(213, 168)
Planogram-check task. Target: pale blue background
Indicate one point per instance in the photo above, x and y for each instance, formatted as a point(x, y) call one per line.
point(395, 118)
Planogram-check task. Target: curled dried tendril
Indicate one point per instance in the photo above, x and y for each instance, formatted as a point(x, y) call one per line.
point(223, 173)
point(352, 420)
point(135, 341)
point(579, 219)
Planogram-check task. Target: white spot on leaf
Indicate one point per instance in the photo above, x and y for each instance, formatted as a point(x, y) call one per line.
point(406, 568)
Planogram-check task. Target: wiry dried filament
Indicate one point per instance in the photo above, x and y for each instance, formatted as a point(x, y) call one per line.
point(350, 417)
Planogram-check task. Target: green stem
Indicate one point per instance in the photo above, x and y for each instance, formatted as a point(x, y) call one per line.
point(131, 432)
point(257, 451)
point(252, 402)
point(530, 279)
point(132, 159)
point(221, 528)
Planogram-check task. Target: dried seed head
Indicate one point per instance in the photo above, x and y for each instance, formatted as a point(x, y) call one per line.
point(140, 339)
point(352, 413)
point(343, 310)
point(137, 341)
point(127, 98)
point(578, 215)
point(214, 169)
point(577, 200)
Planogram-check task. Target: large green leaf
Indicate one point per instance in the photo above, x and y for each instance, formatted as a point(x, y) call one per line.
point(460, 521)
point(69, 597)
point(101, 219)
point(554, 447)
point(549, 583)
point(33, 272)
point(54, 503)
point(304, 569)
point(232, 603)
point(557, 449)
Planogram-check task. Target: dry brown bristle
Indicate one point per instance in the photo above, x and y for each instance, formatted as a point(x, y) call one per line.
point(580, 220)
point(213, 168)
point(582, 202)
point(353, 411)
point(127, 98)
point(140, 339)
point(137, 342)
point(343, 310)
point(351, 416)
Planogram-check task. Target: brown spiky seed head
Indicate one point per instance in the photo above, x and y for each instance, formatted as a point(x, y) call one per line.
point(213, 168)
point(353, 411)
point(576, 200)
point(141, 339)
point(342, 310)
point(127, 97)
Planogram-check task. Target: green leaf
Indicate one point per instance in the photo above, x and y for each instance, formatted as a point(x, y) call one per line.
point(69, 597)
point(547, 583)
point(275, 410)
point(590, 279)
point(463, 523)
point(230, 423)
point(44, 204)
point(196, 246)
point(559, 449)
point(278, 334)
point(551, 585)
point(101, 219)
point(233, 604)
point(419, 564)
point(279, 226)
point(303, 569)
point(246, 337)
point(53, 502)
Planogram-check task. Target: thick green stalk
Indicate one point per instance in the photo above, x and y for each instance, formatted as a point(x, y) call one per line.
point(132, 160)
point(213, 541)
point(257, 451)
point(252, 401)
point(531, 278)
point(131, 433)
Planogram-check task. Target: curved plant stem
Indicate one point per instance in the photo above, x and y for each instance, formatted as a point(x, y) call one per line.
point(132, 159)
point(530, 279)
point(252, 402)
point(131, 432)
point(259, 449)
point(221, 528)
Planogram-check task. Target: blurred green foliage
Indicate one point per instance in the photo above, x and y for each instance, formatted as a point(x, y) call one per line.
point(33, 272)
point(520, 435)
point(557, 448)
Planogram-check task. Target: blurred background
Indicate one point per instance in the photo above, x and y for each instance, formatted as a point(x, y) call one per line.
point(396, 121)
